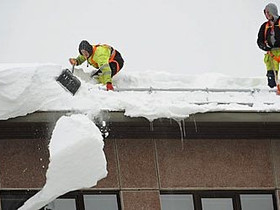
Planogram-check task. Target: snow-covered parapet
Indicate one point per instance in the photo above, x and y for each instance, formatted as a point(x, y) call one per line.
point(32, 87)
point(24, 88)
point(77, 160)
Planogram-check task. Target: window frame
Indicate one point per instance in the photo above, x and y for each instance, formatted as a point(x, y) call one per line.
point(198, 195)
point(78, 195)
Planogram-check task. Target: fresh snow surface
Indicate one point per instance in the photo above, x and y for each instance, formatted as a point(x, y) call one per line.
point(77, 160)
point(26, 88)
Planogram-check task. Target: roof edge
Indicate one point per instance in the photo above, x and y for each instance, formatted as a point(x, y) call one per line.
point(119, 116)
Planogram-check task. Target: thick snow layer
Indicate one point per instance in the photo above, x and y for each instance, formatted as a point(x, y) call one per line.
point(26, 88)
point(77, 160)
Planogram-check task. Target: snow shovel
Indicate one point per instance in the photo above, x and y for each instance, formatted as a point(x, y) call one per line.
point(69, 81)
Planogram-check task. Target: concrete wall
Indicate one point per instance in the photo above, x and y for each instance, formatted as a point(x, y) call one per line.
point(140, 168)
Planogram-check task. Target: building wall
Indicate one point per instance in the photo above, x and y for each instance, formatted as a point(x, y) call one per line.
point(141, 168)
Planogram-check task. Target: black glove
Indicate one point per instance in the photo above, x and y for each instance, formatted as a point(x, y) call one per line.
point(264, 47)
point(95, 73)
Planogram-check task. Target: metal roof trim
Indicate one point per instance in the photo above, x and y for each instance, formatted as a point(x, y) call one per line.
point(119, 116)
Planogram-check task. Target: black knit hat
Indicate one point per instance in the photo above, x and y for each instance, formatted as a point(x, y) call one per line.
point(84, 45)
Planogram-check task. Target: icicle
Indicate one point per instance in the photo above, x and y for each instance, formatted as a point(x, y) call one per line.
point(184, 128)
point(104, 129)
point(195, 125)
point(101, 119)
point(151, 126)
point(182, 132)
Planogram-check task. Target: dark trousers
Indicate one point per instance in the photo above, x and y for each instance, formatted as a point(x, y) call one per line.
point(116, 64)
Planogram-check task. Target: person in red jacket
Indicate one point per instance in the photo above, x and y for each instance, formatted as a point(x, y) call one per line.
point(103, 57)
point(269, 41)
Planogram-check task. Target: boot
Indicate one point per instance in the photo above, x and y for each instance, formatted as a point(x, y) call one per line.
point(271, 78)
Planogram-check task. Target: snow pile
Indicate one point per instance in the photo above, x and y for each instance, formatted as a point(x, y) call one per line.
point(158, 79)
point(26, 87)
point(77, 160)
point(32, 87)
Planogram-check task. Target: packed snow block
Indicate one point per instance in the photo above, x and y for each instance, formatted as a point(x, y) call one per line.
point(25, 88)
point(77, 160)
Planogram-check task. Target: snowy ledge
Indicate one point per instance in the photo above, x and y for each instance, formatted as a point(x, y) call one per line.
point(118, 116)
point(210, 125)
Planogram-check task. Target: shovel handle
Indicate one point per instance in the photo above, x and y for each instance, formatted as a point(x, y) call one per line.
point(73, 69)
point(95, 73)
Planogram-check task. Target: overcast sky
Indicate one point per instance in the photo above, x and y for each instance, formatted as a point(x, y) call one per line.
point(180, 36)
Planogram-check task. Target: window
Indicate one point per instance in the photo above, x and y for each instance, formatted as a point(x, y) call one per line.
point(217, 203)
point(213, 200)
point(256, 202)
point(100, 202)
point(78, 200)
point(13, 199)
point(62, 204)
point(176, 202)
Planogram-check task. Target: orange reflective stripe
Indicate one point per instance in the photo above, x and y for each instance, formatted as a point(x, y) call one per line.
point(91, 57)
point(112, 55)
point(111, 59)
point(267, 26)
point(276, 58)
point(118, 66)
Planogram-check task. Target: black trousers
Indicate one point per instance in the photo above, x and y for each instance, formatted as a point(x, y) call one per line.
point(117, 63)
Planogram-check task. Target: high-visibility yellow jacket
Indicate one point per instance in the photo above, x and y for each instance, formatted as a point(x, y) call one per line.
point(100, 60)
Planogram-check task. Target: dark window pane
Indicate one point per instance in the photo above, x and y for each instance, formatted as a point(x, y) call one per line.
point(217, 203)
point(101, 202)
point(256, 202)
point(14, 201)
point(176, 202)
point(61, 204)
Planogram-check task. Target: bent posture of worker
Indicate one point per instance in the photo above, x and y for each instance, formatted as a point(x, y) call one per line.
point(103, 57)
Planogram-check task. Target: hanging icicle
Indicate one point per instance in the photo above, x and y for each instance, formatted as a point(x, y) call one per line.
point(183, 132)
point(195, 125)
point(151, 126)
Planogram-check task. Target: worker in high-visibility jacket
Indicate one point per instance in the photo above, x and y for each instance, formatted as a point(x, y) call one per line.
point(269, 41)
point(103, 57)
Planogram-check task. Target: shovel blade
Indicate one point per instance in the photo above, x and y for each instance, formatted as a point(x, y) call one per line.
point(69, 81)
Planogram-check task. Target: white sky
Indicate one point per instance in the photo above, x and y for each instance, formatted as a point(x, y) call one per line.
point(177, 36)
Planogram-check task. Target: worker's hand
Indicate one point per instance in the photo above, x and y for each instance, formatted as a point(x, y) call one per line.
point(109, 86)
point(73, 61)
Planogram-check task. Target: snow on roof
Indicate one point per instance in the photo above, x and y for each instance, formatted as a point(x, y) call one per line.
point(27, 88)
